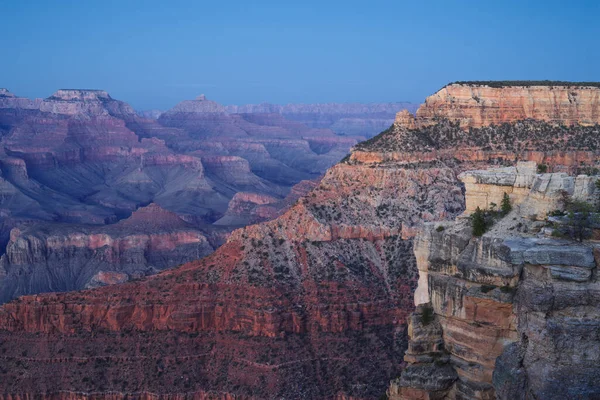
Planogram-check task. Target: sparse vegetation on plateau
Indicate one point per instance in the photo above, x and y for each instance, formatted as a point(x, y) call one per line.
point(514, 137)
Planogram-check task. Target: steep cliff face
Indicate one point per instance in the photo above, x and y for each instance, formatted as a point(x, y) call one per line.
point(475, 104)
point(559, 148)
point(312, 304)
point(509, 315)
point(46, 257)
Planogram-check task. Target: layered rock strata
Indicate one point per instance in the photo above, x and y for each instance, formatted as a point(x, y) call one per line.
point(313, 304)
point(509, 315)
point(351, 119)
point(40, 259)
point(557, 148)
point(478, 104)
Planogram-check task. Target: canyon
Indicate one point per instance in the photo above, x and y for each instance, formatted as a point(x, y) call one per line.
point(77, 165)
point(318, 302)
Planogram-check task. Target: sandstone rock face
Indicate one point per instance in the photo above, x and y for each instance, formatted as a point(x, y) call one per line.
point(535, 194)
point(429, 375)
point(475, 105)
point(243, 204)
point(487, 187)
point(508, 317)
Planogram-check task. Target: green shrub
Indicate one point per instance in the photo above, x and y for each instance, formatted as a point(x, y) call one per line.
point(579, 221)
point(439, 229)
point(487, 288)
point(478, 222)
point(508, 289)
point(556, 213)
point(542, 168)
point(557, 233)
point(505, 205)
point(427, 316)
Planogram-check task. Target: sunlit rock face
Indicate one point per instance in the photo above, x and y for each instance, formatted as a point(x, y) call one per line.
point(475, 105)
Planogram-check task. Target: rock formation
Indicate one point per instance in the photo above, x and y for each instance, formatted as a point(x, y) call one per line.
point(41, 258)
point(312, 304)
point(79, 161)
point(479, 104)
point(351, 119)
point(510, 315)
point(277, 149)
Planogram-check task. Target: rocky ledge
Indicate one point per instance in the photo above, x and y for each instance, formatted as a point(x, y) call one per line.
point(512, 314)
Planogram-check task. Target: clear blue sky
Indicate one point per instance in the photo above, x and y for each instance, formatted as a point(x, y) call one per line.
point(154, 53)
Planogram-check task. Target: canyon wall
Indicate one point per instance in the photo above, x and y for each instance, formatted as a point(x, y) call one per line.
point(41, 258)
point(511, 314)
point(477, 104)
point(312, 304)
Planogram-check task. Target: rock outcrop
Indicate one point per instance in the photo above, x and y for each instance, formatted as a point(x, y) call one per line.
point(479, 104)
point(509, 315)
point(572, 149)
point(44, 257)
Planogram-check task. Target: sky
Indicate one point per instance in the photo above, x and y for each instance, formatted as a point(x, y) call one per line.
point(153, 54)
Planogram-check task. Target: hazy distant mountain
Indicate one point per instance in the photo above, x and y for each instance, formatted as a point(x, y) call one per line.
point(351, 119)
